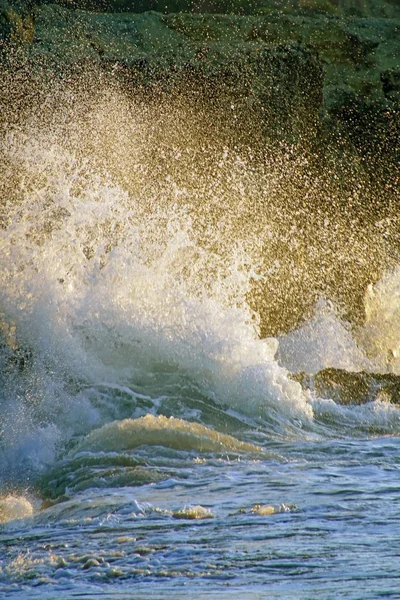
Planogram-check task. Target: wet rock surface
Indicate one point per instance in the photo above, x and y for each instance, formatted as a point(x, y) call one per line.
point(349, 388)
point(358, 49)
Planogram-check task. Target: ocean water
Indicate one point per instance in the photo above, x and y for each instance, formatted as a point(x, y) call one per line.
point(154, 443)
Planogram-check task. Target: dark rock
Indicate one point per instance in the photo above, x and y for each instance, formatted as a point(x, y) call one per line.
point(357, 55)
point(16, 23)
point(366, 8)
point(391, 84)
point(345, 387)
point(279, 86)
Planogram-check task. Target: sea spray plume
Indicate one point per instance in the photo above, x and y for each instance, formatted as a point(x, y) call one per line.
point(105, 281)
point(314, 231)
point(380, 334)
point(145, 293)
point(325, 340)
point(141, 239)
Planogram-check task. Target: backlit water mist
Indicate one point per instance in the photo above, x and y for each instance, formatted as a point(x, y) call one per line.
point(162, 285)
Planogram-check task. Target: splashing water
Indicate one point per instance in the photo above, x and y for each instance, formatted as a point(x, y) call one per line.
point(380, 335)
point(323, 341)
point(102, 286)
point(162, 281)
point(125, 271)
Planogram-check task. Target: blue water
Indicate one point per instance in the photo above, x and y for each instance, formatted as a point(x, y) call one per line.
point(338, 538)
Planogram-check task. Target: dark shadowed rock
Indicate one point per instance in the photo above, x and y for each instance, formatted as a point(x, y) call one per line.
point(391, 84)
point(345, 387)
point(16, 23)
point(359, 55)
point(295, 66)
point(322, 57)
point(279, 84)
point(364, 8)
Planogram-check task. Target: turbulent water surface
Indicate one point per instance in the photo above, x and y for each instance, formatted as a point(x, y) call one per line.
point(154, 443)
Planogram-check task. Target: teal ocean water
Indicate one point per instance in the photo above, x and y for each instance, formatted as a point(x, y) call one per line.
point(154, 443)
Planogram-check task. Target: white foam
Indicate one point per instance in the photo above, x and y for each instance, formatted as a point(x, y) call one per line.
point(14, 507)
point(380, 336)
point(193, 513)
point(378, 417)
point(324, 341)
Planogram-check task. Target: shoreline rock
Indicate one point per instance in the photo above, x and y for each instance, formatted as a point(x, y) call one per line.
point(359, 55)
point(304, 72)
point(347, 388)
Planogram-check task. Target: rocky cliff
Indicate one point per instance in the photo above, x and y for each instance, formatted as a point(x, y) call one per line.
point(323, 59)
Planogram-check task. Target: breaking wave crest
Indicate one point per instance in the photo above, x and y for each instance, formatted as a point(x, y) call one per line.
point(171, 433)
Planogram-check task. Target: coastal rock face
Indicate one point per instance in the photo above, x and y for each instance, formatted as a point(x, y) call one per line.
point(300, 66)
point(305, 69)
point(366, 8)
point(280, 84)
point(358, 55)
point(349, 388)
